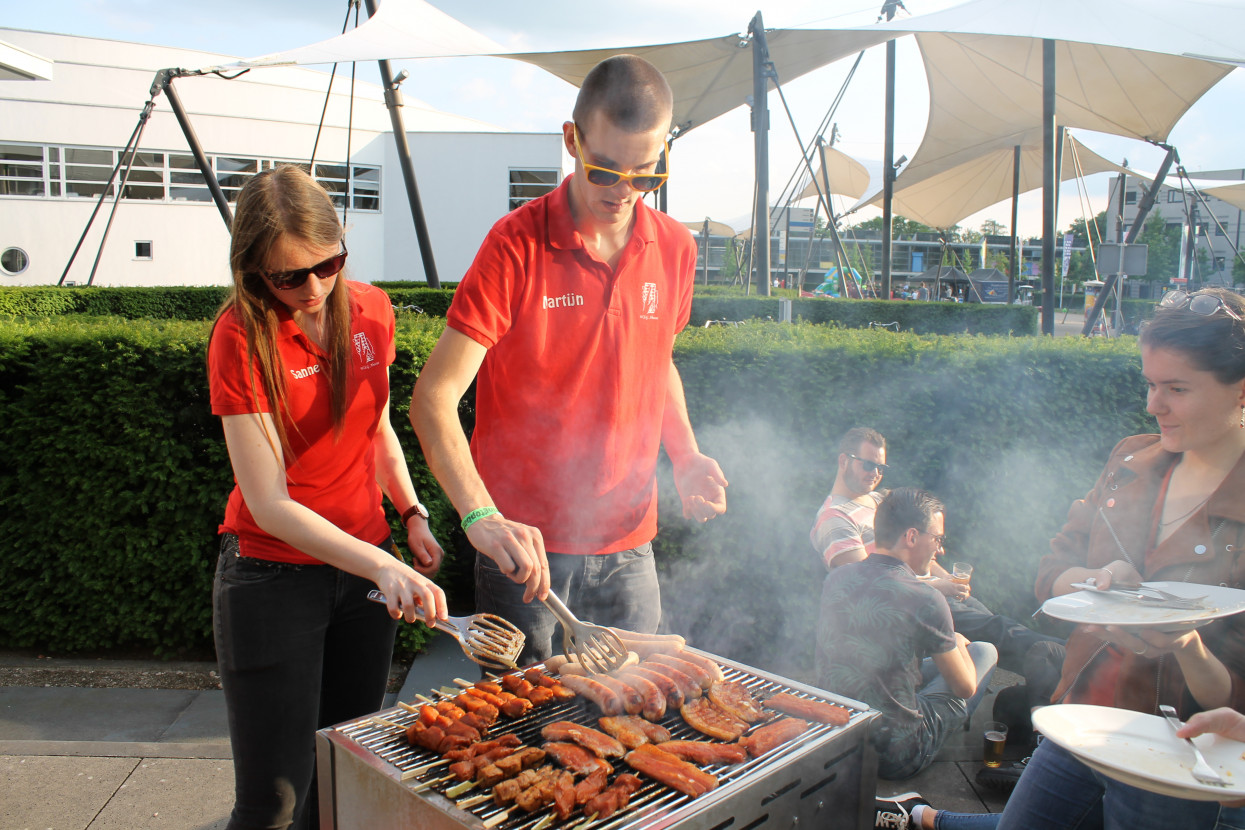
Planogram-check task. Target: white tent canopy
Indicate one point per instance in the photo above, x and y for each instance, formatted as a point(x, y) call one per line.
point(942, 199)
point(848, 177)
point(400, 29)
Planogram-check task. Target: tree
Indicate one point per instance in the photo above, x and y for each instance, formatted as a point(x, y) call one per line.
point(1163, 257)
point(992, 227)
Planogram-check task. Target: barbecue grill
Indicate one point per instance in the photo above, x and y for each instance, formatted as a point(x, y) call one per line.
point(370, 777)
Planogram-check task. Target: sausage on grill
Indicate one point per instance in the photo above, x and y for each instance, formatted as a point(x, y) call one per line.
point(605, 699)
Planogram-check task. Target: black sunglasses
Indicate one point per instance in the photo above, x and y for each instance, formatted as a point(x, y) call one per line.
point(1197, 302)
point(331, 267)
point(869, 466)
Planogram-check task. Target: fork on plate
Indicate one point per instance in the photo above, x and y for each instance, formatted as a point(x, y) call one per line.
point(1202, 771)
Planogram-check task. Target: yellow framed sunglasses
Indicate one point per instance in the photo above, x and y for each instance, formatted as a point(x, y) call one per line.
point(604, 177)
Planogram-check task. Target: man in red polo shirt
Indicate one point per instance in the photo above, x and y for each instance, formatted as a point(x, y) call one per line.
point(566, 321)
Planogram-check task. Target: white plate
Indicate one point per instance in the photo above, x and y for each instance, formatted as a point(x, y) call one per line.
point(1142, 750)
point(1093, 608)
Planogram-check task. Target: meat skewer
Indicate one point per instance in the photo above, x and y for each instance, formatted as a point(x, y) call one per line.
point(613, 798)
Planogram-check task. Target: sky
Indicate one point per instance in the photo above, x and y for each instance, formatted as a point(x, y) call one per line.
point(712, 166)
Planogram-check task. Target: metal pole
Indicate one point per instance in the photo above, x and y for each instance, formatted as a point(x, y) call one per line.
point(164, 79)
point(1190, 249)
point(760, 127)
point(1048, 187)
point(840, 255)
point(888, 165)
point(393, 101)
point(1012, 264)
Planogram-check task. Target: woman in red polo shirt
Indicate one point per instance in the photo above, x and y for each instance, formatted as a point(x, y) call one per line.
point(299, 373)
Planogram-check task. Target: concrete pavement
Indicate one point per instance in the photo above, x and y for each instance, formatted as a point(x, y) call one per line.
point(146, 759)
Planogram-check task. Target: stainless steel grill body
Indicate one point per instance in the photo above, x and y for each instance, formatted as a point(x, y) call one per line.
point(369, 775)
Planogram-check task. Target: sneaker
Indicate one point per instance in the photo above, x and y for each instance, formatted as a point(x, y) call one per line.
point(1002, 778)
point(895, 813)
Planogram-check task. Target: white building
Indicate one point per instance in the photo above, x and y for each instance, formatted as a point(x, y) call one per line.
point(1219, 225)
point(60, 138)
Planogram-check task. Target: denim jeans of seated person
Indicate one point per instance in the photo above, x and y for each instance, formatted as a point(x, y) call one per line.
point(1058, 792)
point(617, 589)
point(942, 713)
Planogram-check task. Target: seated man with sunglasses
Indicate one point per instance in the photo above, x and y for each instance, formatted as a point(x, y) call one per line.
point(566, 322)
point(885, 637)
point(843, 532)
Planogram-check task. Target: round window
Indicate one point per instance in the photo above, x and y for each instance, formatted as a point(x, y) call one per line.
point(14, 261)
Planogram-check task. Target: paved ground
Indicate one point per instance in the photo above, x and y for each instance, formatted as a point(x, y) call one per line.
point(133, 759)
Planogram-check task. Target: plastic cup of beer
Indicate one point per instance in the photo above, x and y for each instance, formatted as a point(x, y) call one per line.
point(995, 739)
point(961, 573)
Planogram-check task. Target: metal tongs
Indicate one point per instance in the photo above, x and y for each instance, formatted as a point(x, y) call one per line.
point(492, 641)
point(597, 648)
point(1143, 593)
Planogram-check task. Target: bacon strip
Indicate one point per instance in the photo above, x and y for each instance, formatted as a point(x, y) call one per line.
point(669, 770)
point(705, 752)
point(814, 710)
point(598, 742)
point(773, 735)
point(626, 729)
point(575, 758)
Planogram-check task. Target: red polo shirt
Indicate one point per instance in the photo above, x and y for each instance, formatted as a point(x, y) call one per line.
point(570, 397)
point(334, 477)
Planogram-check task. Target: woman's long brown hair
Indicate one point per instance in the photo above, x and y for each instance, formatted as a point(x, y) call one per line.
point(274, 203)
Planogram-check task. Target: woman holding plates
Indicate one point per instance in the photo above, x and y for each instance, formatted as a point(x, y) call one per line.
point(1167, 507)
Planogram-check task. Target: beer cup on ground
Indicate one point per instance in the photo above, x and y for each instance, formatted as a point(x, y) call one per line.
point(995, 739)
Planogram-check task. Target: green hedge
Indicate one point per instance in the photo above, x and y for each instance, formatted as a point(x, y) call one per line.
point(115, 475)
point(919, 317)
point(201, 303)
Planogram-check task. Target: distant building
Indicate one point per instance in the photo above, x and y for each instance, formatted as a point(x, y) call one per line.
point(1219, 230)
point(60, 138)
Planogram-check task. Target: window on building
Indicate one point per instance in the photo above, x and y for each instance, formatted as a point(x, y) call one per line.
point(146, 177)
point(1220, 263)
point(233, 173)
point(362, 189)
point(1130, 197)
point(142, 249)
point(87, 171)
point(1175, 196)
point(186, 183)
point(13, 261)
point(526, 185)
point(1220, 227)
point(21, 170)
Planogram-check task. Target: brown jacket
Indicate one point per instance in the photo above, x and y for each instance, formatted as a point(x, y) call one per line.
point(1205, 549)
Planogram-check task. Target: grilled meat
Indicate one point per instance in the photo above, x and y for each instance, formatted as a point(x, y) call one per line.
point(814, 710)
point(575, 758)
point(735, 700)
point(706, 752)
point(605, 698)
point(671, 771)
point(705, 717)
point(774, 734)
point(654, 708)
point(626, 728)
point(696, 672)
point(672, 690)
point(613, 798)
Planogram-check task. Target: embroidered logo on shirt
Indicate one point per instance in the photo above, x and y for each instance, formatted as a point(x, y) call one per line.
point(363, 348)
point(565, 301)
point(299, 374)
point(648, 301)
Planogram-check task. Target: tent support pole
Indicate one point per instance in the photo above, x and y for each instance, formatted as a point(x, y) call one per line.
point(1011, 252)
point(1143, 209)
point(393, 101)
point(888, 167)
point(164, 79)
point(840, 255)
point(1048, 187)
point(760, 128)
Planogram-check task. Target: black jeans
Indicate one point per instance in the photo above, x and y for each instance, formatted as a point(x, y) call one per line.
point(300, 648)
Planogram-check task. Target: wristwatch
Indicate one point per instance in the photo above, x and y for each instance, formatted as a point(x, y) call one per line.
point(414, 509)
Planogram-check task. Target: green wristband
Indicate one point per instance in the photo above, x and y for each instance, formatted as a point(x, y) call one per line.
point(478, 514)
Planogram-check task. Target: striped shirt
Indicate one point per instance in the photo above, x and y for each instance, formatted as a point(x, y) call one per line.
point(844, 525)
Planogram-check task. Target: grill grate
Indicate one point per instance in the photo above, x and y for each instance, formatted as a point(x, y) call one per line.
point(420, 767)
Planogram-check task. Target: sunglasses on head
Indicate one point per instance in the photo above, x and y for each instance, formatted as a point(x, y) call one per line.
point(1197, 302)
point(330, 267)
point(604, 177)
point(869, 466)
